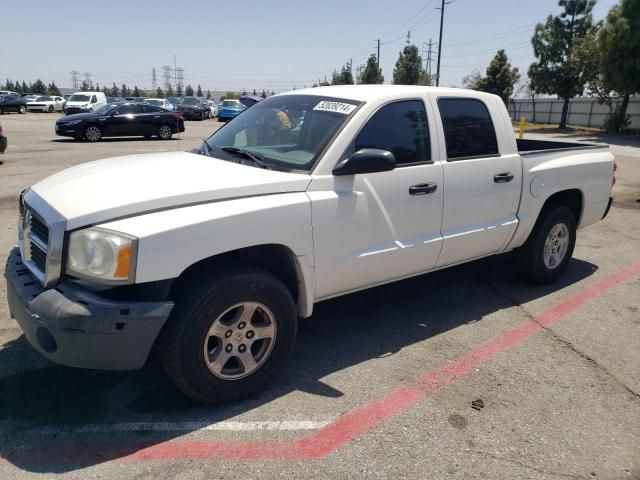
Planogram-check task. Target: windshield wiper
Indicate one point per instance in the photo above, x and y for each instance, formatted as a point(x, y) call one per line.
point(248, 155)
point(207, 148)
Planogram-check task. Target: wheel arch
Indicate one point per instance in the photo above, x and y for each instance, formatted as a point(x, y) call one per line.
point(572, 198)
point(276, 259)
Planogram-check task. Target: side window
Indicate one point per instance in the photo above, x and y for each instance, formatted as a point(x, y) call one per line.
point(150, 109)
point(125, 109)
point(94, 99)
point(468, 128)
point(401, 128)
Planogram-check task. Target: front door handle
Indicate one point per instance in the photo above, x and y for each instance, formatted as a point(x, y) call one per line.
point(423, 189)
point(503, 177)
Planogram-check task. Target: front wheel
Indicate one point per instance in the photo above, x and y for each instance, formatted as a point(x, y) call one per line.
point(228, 334)
point(164, 132)
point(50, 109)
point(93, 133)
point(546, 253)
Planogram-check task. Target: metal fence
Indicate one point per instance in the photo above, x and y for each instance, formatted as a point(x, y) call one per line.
point(586, 112)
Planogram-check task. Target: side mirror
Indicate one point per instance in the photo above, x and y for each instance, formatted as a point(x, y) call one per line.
point(366, 160)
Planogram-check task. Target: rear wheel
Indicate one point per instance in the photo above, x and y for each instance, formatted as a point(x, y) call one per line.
point(165, 132)
point(93, 133)
point(228, 334)
point(22, 109)
point(548, 250)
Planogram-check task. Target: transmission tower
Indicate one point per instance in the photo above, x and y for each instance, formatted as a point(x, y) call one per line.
point(75, 81)
point(154, 79)
point(180, 79)
point(87, 79)
point(166, 77)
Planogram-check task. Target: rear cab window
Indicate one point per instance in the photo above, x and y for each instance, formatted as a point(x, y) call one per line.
point(468, 129)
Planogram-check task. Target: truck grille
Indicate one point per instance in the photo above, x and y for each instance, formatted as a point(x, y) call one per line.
point(41, 238)
point(38, 242)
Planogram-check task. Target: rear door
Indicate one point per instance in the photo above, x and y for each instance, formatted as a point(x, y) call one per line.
point(482, 186)
point(124, 121)
point(150, 118)
point(372, 228)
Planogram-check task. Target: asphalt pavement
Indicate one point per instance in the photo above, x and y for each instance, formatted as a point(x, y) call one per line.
point(463, 373)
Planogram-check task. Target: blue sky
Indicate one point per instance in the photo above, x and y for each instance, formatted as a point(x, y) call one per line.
point(256, 44)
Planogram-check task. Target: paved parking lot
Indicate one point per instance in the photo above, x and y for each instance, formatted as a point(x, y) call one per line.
point(463, 373)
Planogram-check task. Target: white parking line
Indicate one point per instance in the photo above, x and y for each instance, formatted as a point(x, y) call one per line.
point(233, 426)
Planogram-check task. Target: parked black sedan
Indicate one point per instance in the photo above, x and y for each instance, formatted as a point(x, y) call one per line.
point(196, 108)
point(12, 102)
point(121, 120)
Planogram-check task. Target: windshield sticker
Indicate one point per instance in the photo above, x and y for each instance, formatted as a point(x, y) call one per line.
point(337, 107)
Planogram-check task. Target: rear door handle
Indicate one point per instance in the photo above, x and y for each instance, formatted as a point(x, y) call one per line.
point(423, 189)
point(503, 177)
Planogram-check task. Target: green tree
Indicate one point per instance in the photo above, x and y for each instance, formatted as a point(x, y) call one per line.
point(52, 89)
point(159, 93)
point(124, 91)
point(343, 77)
point(106, 90)
point(244, 92)
point(115, 91)
point(179, 90)
point(408, 69)
point(208, 94)
point(372, 74)
point(254, 92)
point(170, 91)
point(199, 92)
point(24, 88)
point(136, 92)
point(263, 94)
point(619, 45)
point(500, 77)
point(85, 87)
point(38, 86)
point(188, 91)
point(557, 70)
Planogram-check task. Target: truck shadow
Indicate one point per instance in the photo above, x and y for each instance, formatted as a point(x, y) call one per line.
point(342, 333)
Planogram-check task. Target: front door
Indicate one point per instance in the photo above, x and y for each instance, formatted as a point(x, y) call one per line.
point(372, 228)
point(482, 186)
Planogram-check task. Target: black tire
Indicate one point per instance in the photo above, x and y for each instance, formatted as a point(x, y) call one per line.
point(50, 109)
point(93, 133)
point(22, 109)
point(164, 132)
point(529, 258)
point(1, 112)
point(198, 305)
point(202, 116)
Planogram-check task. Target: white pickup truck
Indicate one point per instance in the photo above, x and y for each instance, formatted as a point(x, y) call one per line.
point(210, 257)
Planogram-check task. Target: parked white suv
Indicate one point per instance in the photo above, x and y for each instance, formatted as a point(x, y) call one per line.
point(82, 102)
point(212, 256)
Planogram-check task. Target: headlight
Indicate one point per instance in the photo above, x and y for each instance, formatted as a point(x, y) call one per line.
point(72, 122)
point(100, 254)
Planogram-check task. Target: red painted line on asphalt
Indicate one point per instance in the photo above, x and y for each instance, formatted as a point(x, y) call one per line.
point(351, 425)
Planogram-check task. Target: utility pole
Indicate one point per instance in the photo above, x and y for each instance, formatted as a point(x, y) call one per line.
point(87, 79)
point(440, 42)
point(378, 54)
point(154, 79)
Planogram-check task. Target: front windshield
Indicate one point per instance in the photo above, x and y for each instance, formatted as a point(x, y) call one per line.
point(285, 131)
point(190, 101)
point(43, 99)
point(231, 103)
point(79, 98)
point(105, 109)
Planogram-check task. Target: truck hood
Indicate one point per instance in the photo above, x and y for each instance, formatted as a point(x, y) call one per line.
point(103, 190)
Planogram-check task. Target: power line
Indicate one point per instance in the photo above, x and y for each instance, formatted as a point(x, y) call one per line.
point(408, 21)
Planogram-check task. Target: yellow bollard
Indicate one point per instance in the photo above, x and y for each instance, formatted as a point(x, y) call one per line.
point(521, 127)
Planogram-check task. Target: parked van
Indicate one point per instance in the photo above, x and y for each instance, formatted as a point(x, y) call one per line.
point(81, 102)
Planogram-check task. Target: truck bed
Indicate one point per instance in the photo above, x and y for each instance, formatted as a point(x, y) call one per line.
point(530, 147)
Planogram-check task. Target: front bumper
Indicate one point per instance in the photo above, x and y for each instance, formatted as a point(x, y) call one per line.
point(74, 327)
point(73, 110)
point(69, 130)
point(191, 114)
